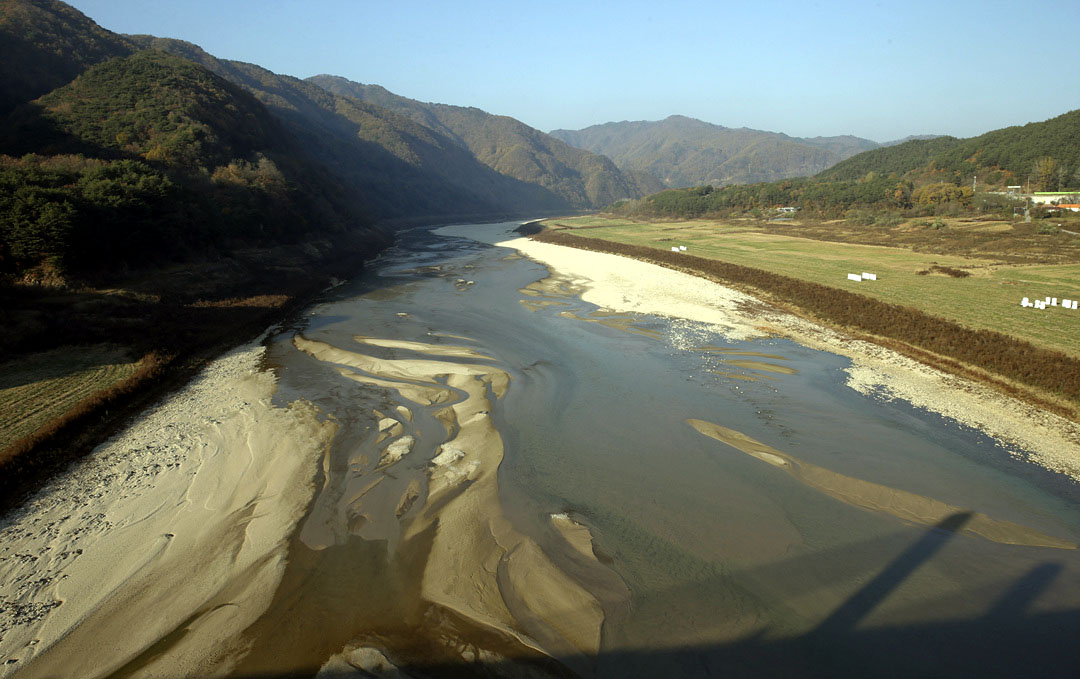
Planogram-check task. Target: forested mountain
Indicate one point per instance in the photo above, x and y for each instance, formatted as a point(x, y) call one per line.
point(927, 176)
point(148, 158)
point(510, 147)
point(403, 170)
point(44, 44)
point(684, 151)
point(192, 152)
point(1045, 154)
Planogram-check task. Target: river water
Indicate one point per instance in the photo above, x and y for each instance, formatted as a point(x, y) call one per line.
point(746, 512)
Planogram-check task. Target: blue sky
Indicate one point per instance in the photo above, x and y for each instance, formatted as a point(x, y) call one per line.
point(879, 70)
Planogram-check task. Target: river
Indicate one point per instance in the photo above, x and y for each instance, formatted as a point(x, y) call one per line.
point(667, 501)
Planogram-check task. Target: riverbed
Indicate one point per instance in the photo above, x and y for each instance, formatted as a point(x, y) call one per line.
point(500, 475)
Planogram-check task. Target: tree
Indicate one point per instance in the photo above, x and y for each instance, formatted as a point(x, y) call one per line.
point(1046, 173)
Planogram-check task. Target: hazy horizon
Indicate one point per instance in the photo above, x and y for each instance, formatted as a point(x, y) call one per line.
point(881, 72)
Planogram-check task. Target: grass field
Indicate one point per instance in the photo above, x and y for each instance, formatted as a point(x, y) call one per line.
point(40, 387)
point(988, 299)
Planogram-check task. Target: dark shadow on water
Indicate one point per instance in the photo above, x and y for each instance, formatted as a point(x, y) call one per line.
point(844, 618)
point(1007, 641)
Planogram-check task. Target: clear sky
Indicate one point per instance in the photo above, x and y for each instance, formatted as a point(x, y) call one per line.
point(880, 70)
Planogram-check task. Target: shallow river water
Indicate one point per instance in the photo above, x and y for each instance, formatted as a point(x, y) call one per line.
point(731, 507)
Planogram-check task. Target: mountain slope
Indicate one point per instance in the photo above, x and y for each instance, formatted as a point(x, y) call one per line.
point(509, 146)
point(403, 170)
point(45, 44)
point(173, 162)
point(1005, 156)
point(683, 151)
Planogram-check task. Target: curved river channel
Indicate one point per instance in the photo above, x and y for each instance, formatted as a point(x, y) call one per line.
point(523, 482)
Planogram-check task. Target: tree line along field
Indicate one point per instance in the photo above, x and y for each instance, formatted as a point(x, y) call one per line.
point(988, 298)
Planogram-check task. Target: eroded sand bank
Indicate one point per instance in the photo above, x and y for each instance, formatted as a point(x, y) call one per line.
point(626, 285)
point(174, 533)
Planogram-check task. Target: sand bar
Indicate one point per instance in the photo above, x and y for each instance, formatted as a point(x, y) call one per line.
point(876, 497)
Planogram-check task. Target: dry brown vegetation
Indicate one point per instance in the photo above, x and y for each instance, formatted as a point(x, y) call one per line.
point(946, 270)
point(983, 237)
point(959, 348)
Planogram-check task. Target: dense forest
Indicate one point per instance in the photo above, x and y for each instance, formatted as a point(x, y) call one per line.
point(926, 176)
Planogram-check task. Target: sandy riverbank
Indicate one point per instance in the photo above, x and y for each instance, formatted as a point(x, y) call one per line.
point(626, 285)
point(158, 548)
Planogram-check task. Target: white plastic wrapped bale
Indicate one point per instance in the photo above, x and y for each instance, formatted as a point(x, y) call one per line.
point(854, 277)
point(1074, 304)
point(869, 276)
point(1025, 302)
point(674, 249)
point(1053, 301)
point(683, 248)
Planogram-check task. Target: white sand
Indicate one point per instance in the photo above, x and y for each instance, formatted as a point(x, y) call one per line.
point(627, 285)
point(181, 521)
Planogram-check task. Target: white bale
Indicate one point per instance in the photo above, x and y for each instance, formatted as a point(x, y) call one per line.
point(854, 277)
point(683, 248)
point(1066, 303)
point(1053, 301)
point(1074, 304)
point(869, 276)
point(674, 249)
point(1046, 301)
point(1025, 301)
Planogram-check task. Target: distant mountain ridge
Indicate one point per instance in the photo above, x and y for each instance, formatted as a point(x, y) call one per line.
point(937, 176)
point(509, 146)
point(683, 151)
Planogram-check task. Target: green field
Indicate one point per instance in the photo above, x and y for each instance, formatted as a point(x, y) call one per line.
point(989, 298)
point(37, 388)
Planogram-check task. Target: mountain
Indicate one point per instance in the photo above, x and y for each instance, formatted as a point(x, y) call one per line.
point(148, 158)
point(171, 135)
point(510, 147)
point(919, 177)
point(911, 137)
point(683, 151)
point(404, 171)
point(45, 44)
point(1046, 153)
